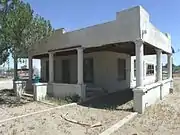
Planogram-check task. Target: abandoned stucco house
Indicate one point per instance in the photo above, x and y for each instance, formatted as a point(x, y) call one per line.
point(120, 54)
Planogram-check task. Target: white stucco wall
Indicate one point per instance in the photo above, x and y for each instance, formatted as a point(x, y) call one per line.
point(153, 36)
point(148, 95)
point(166, 88)
point(40, 91)
point(62, 90)
point(105, 70)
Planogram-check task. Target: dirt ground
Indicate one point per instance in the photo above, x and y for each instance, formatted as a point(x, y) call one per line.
point(51, 122)
point(11, 106)
point(162, 118)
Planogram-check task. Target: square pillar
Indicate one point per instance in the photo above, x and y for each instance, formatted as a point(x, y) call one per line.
point(139, 90)
point(145, 69)
point(139, 63)
point(30, 68)
point(169, 66)
point(159, 65)
point(138, 100)
point(51, 67)
point(80, 66)
point(129, 71)
point(29, 82)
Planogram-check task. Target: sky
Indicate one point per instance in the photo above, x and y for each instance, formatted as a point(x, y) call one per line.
point(75, 14)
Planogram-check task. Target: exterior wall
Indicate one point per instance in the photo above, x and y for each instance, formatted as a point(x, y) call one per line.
point(109, 78)
point(57, 90)
point(150, 94)
point(40, 91)
point(153, 36)
point(63, 90)
point(165, 88)
point(50, 89)
point(105, 70)
point(148, 79)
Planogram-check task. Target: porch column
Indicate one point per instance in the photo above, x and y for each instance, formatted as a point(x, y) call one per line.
point(80, 65)
point(139, 90)
point(159, 64)
point(51, 67)
point(139, 62)
point(144, 67)
point(30, 68)
point(169, 66)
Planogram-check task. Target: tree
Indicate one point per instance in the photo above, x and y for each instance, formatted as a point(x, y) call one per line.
point(5, 8)
point(22, 29)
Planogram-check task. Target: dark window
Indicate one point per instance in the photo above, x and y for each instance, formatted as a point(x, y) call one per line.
point(88, 70)
point(150, 69)
point(65, 71)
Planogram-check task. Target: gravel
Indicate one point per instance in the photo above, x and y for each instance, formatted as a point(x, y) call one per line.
point(161, 118)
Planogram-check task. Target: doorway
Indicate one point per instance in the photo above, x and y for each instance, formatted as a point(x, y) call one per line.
point(65, 71)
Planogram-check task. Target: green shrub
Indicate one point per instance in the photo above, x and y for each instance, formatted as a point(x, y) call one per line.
point(73, 98)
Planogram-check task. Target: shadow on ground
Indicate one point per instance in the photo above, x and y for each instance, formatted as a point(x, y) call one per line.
point(8, 98)
point(121, 100)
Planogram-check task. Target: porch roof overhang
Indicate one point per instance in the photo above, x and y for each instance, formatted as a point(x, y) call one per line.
point(122, 47)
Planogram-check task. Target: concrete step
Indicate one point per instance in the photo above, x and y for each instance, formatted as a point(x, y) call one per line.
point(28, 97)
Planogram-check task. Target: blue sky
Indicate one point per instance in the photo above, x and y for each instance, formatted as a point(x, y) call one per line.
point(74, 14)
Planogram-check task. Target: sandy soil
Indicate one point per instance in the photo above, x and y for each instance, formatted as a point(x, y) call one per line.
point(8, 112)
point(11, 106)
point(51, 123)
point(162, 118)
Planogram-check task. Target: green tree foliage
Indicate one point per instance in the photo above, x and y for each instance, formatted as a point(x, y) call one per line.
point(5, 8)
point(20, 29)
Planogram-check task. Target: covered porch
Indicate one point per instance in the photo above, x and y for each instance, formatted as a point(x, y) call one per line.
point(94, 70)
point(144, 95)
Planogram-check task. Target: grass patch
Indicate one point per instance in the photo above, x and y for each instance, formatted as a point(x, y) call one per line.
point(62, 101)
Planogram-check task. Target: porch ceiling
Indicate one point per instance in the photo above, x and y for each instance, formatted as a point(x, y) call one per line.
point(125, 47)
